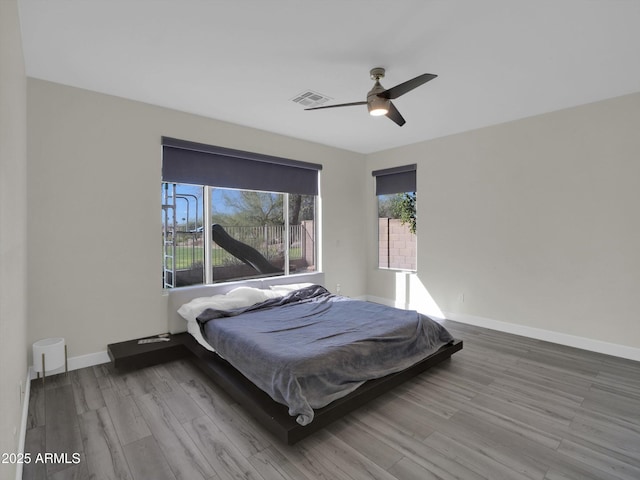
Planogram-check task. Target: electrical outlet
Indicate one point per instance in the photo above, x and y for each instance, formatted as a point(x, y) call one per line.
point(461, 297)
point(337, 288)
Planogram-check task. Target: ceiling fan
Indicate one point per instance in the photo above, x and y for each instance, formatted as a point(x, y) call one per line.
point(379, 99)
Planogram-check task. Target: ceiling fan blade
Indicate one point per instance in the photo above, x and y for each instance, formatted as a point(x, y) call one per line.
point(401, 89)
point(394, 115)
point(339, 105)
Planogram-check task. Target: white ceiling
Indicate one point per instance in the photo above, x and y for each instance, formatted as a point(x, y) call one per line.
point(242, 61)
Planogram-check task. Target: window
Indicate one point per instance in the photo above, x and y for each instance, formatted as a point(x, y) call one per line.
point(396, 197)
point(227, 216)
point(182, 234)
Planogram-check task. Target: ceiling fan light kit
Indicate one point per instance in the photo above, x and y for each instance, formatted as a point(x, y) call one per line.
point(379, 99)
point(378, 106)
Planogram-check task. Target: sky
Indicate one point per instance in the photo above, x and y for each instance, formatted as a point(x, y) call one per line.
point(191, 195)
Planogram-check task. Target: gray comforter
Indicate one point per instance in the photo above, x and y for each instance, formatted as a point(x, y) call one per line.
point(311, 347)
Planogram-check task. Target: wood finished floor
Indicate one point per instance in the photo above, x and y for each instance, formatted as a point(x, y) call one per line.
point(505, 407)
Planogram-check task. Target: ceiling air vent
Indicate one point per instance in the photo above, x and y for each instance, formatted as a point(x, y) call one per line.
point(309, 99)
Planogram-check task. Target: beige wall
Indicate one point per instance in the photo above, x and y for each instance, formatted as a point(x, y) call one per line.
point(531, 223)
point(13, 241)
point(534, 222)
point(94, 211)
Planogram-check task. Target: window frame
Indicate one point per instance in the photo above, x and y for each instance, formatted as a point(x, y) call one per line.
point(393, 181)
point(184, 162)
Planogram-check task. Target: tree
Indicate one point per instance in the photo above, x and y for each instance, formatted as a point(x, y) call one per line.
point(406, 210)
point(295, 205)
point(401, 206)
point(301, 207)
point(255, 208)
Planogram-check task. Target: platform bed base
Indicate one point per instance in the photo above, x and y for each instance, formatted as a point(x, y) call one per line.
point(274, 416)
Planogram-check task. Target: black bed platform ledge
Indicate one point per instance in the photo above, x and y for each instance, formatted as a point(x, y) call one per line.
point(271, 415)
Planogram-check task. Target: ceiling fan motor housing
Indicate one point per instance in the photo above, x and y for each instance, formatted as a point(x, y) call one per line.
point(377, 105)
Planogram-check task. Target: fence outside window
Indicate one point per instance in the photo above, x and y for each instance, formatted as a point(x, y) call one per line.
point(269, 240)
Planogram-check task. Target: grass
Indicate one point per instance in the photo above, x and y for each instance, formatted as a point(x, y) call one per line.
point(188, 256)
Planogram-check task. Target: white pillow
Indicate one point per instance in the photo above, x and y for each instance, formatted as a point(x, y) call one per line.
point(284, 289)
point(237, 298)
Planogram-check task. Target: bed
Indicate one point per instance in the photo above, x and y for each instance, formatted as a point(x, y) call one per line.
point(330, 365)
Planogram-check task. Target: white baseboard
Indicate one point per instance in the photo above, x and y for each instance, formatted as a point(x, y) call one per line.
point(81, 361)
point(575, 341)
point(583, 343)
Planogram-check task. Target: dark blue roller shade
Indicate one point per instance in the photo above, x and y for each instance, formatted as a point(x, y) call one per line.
point(395, 180)
point(200, 164)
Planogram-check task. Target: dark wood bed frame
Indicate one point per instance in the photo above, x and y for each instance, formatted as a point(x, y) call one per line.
point(271, 415)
